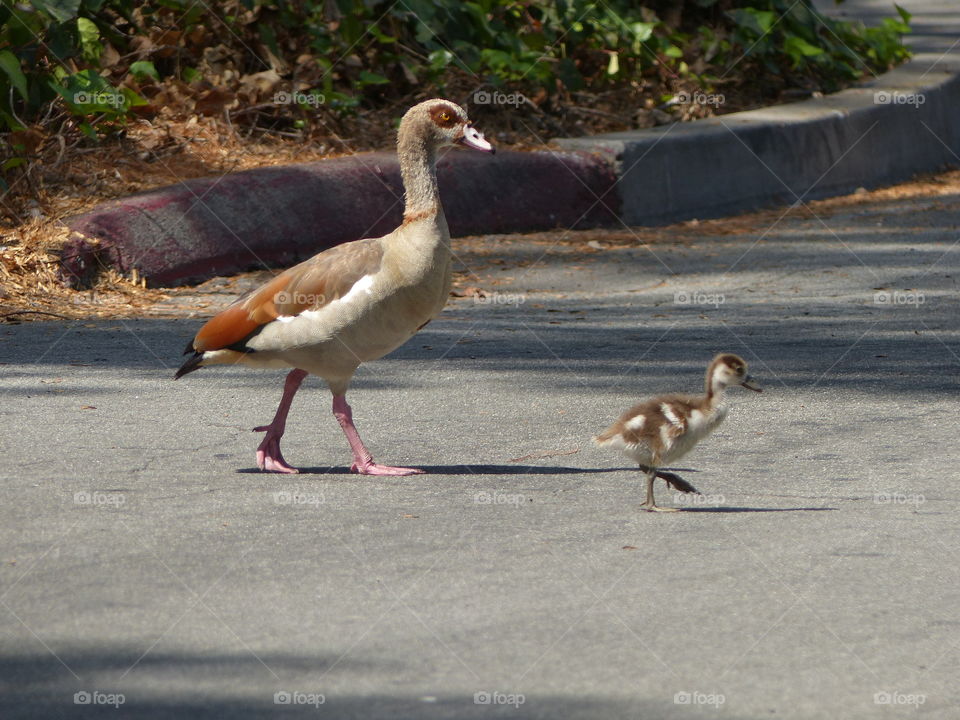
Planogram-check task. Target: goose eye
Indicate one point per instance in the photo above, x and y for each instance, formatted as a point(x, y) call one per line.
point(444, 117)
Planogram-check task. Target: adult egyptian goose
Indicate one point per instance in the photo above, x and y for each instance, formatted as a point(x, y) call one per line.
point(354, 302)
point(664, 429)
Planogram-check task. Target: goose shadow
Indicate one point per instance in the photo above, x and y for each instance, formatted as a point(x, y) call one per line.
point(731, 509)
point(479, 469)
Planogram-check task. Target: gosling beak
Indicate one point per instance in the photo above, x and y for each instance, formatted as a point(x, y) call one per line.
point(473, 138)
point(748, 386)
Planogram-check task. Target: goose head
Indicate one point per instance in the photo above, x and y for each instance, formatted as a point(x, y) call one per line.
point(728, 369)
point(438, 123)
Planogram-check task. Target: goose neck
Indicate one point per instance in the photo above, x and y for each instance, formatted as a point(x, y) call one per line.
point(714, 390)
point(418, 169)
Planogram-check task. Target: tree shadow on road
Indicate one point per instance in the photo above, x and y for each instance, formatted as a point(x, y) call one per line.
point(225, 685)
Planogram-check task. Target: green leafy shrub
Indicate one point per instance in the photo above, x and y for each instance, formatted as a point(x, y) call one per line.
point(91, 65)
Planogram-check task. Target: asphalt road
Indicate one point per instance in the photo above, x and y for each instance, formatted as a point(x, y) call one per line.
point(146, 565)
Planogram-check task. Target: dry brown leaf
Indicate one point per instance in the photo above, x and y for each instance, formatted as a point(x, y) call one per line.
point(213, 102)
point(259, 87)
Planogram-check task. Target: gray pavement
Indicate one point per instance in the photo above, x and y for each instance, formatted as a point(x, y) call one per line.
point(142, 555)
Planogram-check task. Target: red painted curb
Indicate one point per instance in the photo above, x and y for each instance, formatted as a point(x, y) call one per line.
point(276, 216)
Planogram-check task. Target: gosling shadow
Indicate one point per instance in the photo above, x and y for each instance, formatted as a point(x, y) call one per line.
point(731, 509)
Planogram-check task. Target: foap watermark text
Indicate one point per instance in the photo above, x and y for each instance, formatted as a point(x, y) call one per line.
point(698, 97)
point(95, 497)
point(498, 298)
point(496, 97)
point(288, 697)
point(699, 698)
point(495, 697)
point(898, 698)
point(891, 97)
point(96, 697)
point(311, 99)
point(899, 297)
point(698, 499)
point(899, 498)
point(698, 297)
point(300, 299)
point(101, 97)
point(290, 497)
point(498, 498)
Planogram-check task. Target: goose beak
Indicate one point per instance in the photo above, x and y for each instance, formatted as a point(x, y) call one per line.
point(748, 386)
point(473, 138)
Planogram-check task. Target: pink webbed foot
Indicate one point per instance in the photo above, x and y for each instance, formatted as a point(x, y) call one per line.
point(363, 463)
point(269, 457)
point(372, 468)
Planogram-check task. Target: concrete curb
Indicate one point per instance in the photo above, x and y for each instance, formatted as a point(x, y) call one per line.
point(279, 215)
point(784, 154)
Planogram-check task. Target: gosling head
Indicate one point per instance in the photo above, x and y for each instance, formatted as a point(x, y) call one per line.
point(728, 369)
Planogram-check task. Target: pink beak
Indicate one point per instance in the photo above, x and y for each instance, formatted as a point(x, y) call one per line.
point(473, 138)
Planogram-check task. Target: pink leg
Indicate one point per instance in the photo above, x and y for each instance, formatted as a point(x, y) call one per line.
point(268, 454)
point(362, 460)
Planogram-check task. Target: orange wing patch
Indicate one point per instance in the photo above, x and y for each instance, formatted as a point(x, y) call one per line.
point(307, 286)
point(230, 326)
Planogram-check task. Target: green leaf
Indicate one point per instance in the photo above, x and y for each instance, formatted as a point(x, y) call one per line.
point(89, 32)
point(369, 78)
point(439, 59)
point(380, 35)
point(89, 39)
point(642, 31)
point(14, 162)
point(6, 119)
point(59, 10)
point(132, 98)
point(758, 22)
point(10, 64)
point(88, 92)
point(903, 14)
point(143, 69)
point(87, 129)
point(798, 48)
point(61, 40)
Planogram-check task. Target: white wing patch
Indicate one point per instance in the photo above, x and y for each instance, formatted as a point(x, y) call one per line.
point(362, 286)
point(671, 415)
point(636, 422)
point(666, 436)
